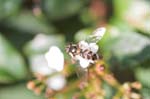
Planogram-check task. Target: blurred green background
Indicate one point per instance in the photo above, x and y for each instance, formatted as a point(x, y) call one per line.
point(29, 27)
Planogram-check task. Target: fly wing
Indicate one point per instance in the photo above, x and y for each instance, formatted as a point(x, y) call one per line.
point(96, 35)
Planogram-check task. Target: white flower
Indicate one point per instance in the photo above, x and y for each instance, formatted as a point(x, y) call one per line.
point(56, 82)
point(55, 58)
point(40, 41)
point(39, 65)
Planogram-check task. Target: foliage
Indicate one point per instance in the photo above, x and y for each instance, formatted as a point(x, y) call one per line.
point(29, 27)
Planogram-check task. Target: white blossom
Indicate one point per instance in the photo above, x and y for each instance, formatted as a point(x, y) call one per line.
point(39, 65)
point(40, 41)
point(55, 58)
point(56, 82)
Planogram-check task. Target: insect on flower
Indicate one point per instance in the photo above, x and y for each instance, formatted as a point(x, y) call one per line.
point(86, 51)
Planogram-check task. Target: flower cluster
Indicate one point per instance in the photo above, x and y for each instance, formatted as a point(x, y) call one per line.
point(46, 70)
point(51, 78)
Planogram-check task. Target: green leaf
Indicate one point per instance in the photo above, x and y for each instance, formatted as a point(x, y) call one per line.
point(27, 23)
point(87, 18)
point(12, 66)
point(18, 92)
point(120, 8)
point(6, 77)
point(83, 34)
point(9, 7)
point(109, 91)
point(58, 9)
point(126, 47)
point(142, 74)
point(145, 93)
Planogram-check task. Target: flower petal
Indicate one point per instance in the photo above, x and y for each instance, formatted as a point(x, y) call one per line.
point(56, 82)
point(55, 58)
point(93, 47)
point(39, 65)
